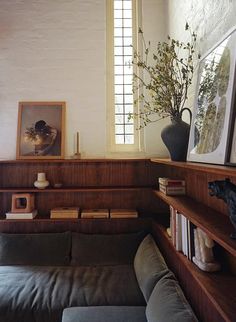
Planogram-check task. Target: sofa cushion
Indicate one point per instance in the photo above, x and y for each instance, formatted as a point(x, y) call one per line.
point(35, 249)
point(92, 249)
point(168, 303)
point(105, 314)
point(40, 293)
point(149, 265)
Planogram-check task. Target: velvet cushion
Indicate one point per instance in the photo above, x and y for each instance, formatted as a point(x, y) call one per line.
point(149, 265)
point(35, 249)
point(40, 293)
point(92, 249)
point(168, 303)
point(105, 314)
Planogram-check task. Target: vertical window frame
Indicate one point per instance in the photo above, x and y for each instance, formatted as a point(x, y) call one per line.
point(111, 142)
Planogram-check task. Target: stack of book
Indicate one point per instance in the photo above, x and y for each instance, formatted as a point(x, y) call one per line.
point(22, 215)
point(123, 213)
point(172, 187)
point(64, 213)
point(95, 213)
point(182, 233)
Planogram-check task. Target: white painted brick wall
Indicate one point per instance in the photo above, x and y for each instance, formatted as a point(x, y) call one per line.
point(56, 50)
point(52, 50)
point(211, 19)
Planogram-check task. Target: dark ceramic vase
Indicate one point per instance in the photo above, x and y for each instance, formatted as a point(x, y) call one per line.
point(175, 136)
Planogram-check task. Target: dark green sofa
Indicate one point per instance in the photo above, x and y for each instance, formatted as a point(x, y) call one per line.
point(83, 277)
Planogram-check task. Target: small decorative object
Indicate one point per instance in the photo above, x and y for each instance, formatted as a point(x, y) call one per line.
point(226, 190)
point(57, 185)
point(77, 154)
point(22, 202)
point(163, 84)
point(64, 213)
point(41, 182)
point(95, 213)
point(214, 105)
point(40, 130)
point(204, 257)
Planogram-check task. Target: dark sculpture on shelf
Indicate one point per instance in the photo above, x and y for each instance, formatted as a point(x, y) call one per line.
point(225, 190)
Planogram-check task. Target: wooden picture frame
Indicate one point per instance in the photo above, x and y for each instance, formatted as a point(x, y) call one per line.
point(41, 130)
point(214, 104)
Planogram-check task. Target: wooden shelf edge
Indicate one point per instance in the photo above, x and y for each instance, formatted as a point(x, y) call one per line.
point(203, 279)
point(203, 167)
point(88, 160)
point(77, 189)
point(215, 224)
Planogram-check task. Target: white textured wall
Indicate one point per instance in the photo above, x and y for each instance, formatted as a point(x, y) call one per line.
point(55, 50)
point(155, 29)
point(211, 19)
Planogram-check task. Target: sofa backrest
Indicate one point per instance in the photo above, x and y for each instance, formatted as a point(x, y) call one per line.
point(35, 249)
point(149, 266)
point(99, 249)
point(168, 303)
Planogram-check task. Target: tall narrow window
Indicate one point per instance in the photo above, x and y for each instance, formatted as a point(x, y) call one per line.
point(123, 34)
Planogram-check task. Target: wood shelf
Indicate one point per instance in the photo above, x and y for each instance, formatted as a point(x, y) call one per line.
point(219, 287)
point(91, 160)
point(215, 224)
point(203, 167)
point(75, 189)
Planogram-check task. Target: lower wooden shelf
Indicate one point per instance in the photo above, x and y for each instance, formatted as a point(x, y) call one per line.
point(218, 288)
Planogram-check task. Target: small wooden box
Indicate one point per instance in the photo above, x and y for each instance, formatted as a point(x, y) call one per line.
point(22, 202)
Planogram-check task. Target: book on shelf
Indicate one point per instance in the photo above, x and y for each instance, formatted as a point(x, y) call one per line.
point(172, 191)
point(22, 215)
point(178, 234)
point(95, 213)
point(123, 213)
point(64, 213)
point(172, 224)
point(182, 233)
point(171, 182)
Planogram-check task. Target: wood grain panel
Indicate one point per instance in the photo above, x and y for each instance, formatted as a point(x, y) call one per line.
point(86, 183)
point(89, 226)
point(211, 294)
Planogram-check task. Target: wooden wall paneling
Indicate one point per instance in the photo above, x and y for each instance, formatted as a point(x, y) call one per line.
point(197, 184)
point(89, 226)
point(109, 183)
point(205, 291)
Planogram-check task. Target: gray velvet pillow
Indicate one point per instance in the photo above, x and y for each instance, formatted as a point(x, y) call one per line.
point(149, 266)
point(35, 249)
point(104, 314)
point(168, 303)
point(99, 249)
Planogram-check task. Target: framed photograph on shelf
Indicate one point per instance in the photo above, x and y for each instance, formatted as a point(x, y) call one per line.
point(213, 110)
point(41, 130)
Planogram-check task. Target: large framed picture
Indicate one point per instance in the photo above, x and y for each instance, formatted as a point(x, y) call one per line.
point(213, 109)
point(41, 130)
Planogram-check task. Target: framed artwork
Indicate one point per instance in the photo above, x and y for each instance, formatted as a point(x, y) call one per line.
point(213, 109)
point(41, 130)
point(231, 153)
